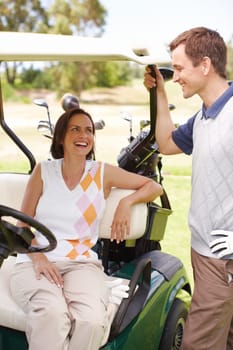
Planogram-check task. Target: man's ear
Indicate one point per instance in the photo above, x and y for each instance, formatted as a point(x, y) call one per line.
point(205, 63)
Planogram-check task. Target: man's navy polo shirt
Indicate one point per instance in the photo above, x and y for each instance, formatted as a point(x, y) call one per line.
point(183, 135)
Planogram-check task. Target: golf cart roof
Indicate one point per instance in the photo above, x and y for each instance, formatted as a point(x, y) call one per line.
point(17, 46)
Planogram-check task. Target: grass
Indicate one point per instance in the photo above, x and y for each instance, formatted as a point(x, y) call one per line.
point(16, 167)
point(177, 236)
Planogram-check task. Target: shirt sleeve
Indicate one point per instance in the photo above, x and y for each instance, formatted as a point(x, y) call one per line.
point(183, 136)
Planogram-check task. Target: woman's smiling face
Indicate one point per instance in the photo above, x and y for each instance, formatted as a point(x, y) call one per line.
point(79, 136)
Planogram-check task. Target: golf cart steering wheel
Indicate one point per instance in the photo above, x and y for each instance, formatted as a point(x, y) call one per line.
point(18, 239)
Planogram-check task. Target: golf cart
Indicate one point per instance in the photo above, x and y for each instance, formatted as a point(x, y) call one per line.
point(154, 314)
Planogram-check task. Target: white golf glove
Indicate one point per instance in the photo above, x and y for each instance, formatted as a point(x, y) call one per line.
point(223, 244)
point(118, 290)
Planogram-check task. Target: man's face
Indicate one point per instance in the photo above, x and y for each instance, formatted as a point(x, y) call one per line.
point(190, 78)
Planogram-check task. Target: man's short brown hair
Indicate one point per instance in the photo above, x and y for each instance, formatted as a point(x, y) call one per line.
point(203, 42)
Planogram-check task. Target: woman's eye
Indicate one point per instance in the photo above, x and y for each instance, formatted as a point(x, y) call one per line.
point(74, 129)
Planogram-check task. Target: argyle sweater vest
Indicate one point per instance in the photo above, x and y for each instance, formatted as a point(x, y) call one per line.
point(212, 178)
point(72, 215)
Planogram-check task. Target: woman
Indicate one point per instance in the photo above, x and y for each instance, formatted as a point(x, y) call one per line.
point(63, 292)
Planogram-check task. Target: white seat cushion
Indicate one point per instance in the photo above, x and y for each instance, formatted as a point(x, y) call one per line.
point(12, 187)
point(11, 314)
point(138, 215)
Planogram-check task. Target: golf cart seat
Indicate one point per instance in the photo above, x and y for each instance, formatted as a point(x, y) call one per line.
point(12, 188)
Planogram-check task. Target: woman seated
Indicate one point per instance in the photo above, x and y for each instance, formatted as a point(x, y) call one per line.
point(63, 292)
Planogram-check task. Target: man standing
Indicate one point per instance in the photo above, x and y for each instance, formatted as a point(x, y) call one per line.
point(199, 63)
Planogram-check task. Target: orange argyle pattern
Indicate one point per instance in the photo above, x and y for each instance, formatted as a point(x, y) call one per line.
point(88, 204)
point(74, 253)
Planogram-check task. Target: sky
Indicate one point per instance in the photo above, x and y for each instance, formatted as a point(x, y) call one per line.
point(154, 23)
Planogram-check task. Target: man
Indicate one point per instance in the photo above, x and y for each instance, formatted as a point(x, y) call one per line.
point(199, 63)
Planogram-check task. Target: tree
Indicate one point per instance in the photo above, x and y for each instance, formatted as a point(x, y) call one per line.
point(67, 17)
point(79, 17)
point(21, 16)
point(112, 74)
point(76, 17)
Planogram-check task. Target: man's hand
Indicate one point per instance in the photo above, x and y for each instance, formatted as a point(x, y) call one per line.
point(150, 81)
point(223, 244)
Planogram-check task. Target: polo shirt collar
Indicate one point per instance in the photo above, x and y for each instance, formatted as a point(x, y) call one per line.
point(218, 105)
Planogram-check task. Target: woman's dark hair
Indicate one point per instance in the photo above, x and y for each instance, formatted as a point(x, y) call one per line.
point(57, 150)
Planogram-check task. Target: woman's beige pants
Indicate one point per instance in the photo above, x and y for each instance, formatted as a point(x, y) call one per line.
point(72, 318)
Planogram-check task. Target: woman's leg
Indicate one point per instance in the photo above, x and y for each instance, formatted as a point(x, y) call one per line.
point(86, 296)
point(48, 320)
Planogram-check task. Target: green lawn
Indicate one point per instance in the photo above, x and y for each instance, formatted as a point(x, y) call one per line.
point(177, 236)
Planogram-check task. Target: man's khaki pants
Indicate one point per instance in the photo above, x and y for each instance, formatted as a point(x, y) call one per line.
point(59, 319)
point(209, 325)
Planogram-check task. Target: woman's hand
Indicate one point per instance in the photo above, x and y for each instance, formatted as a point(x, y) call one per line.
point(121, 222)
point(43, 266)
